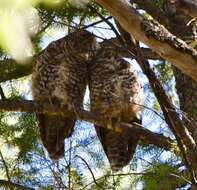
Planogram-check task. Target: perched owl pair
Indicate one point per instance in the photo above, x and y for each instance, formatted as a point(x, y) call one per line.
point(60, 76)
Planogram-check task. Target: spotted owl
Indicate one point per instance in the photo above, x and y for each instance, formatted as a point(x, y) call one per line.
point(59, 78)
point(115, 92)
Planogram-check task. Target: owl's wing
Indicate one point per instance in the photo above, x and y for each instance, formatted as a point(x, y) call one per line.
point(59, 78)
point(114, 90)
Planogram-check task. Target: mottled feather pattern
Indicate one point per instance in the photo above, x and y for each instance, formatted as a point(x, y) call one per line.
point(116, 92)
point(60, 78)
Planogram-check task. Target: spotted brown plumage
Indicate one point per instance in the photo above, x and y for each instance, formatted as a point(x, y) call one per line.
point(115, 92)
point(59, 78)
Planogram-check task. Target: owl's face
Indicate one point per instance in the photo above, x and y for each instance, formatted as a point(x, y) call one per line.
point(83, 43)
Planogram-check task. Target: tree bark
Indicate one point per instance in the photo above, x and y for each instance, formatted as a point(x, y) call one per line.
point(186, 87)
point(146, 136)
point(155, 36)
point(182, 26)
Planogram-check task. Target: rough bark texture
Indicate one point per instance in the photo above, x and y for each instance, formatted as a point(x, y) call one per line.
point(186, 86)
point(191, 158)
point(155, 36)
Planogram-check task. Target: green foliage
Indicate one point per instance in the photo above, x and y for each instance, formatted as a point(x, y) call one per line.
point(162, 176)
point(27, 162)
point(76, 179)
point(65, 14)
point(165, 72)
point(26, 135)
point(156, 106)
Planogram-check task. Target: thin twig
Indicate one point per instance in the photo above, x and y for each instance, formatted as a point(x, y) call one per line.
point(108, 23)
point(2, 94)
point(94, 179)
point(69, 166)
point(114, 175)
point(5, 166)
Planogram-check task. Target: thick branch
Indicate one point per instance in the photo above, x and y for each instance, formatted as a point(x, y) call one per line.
point(156, 37)
point(171, 116)
point(148, 53)
point(4, 183)
point(146, 136)
point(155, 12)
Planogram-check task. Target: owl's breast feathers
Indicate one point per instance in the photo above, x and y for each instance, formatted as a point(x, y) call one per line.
point(115, 91)
point(60, 78)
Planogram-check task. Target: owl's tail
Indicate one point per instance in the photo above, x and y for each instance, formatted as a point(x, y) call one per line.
point(118, 147)
point(53, 131)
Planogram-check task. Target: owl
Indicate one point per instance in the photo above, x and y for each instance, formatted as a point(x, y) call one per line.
point(115, 92)
point(60, 78)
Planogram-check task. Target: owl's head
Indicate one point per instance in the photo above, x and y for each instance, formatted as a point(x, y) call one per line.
point(82, 44)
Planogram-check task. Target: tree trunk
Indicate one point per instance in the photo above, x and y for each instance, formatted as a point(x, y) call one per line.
point(182, 26)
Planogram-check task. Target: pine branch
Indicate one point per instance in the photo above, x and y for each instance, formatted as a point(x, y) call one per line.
point(4, 183)
point(146, 136)
point(5, 166)
point(10, 69)
point(89, 168)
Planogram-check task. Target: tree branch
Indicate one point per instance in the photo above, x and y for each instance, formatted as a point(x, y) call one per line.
point(155, 12)
point(89, 168)
point(146, 136)
point(10, 69)
point(172, 118)
point(5, 166)
point(4, 183)
point(155, 36)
